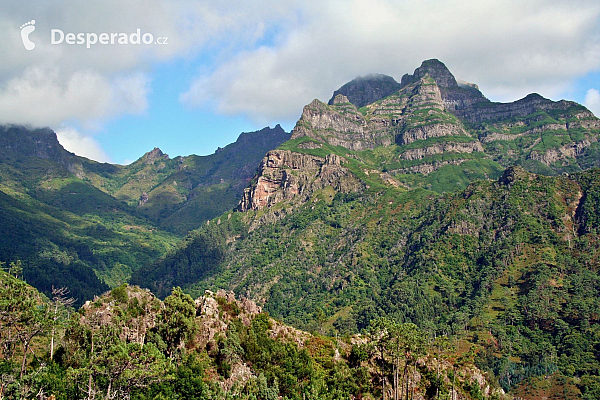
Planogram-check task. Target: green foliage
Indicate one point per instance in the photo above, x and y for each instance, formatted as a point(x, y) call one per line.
point(204, 250)
point(185, 192)
point(177, 320)
point(120, 294)
point(78, 224)
point(498, 262)
point(509, 266)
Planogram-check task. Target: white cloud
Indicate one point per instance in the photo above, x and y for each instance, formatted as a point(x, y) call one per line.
point(509, 47)
point(56, 83)
point(80, 144)
point(43, 96)
point(592, 101)
point(267, 59)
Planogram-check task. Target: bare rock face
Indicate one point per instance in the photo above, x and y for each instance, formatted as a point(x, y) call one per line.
point(339, 99)
point(455, 96)
point(340, 125)
point(425, 115)
point(585, 120)
point(213, 311)
point(428, 105)
point(319, 117)
point(417, 111)
point(496, 111)
point(430, 131)
point(285, 175)
point(562, 153)
point(428, 167)
point(207, 305)
point(439, 148)
point(143, 199)
point(106, 310)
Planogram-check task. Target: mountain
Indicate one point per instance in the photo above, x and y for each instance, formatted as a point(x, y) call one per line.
point(395, 204)
point(82, 224)
point(66, 231)
point(430, 205)
point(510, 265)
point(432, 135)
point(181, 193)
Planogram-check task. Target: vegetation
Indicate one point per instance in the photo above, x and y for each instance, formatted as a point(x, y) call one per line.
point(510, 266)
point(129, 345)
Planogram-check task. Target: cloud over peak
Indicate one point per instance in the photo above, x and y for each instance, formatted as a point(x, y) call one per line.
point(509, 48)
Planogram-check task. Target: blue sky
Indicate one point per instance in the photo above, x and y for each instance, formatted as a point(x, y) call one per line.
point(175, 128)
point(170, 125)
point(230, 67)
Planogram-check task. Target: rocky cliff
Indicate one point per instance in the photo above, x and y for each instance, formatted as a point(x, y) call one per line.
point(286, 175)
point(454, 95)
point(435, 69)
point(416, 112)
point(182, 193)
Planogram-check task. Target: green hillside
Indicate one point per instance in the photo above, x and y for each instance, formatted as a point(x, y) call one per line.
point(510, 265)
point(406, 210)
point(78, 223)
point(181, 193)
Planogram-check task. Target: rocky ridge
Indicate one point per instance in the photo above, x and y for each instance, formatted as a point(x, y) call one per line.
point(134, 314)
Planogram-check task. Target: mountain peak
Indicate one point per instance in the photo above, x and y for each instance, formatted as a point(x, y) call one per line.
point(367, 89)
point(31, 142)
point(435, 69)
point(155, 154)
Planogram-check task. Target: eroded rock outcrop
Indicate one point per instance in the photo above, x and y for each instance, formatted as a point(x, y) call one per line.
point(561, 154)
point(416, 112)
point(214, 311)
point(428, 112)
point(286, 175)
point(339, 125)
point(434, 68)
point(427, 131)
point(154, 155)
point(113, 308)
point(440, 148)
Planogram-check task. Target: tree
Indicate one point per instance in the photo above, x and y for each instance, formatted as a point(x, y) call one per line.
point(403, 343)
point(176, 320)
point(22, 316)
point(440, 345)
point(127, 366)
point(379, 339)
point(60, 307)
